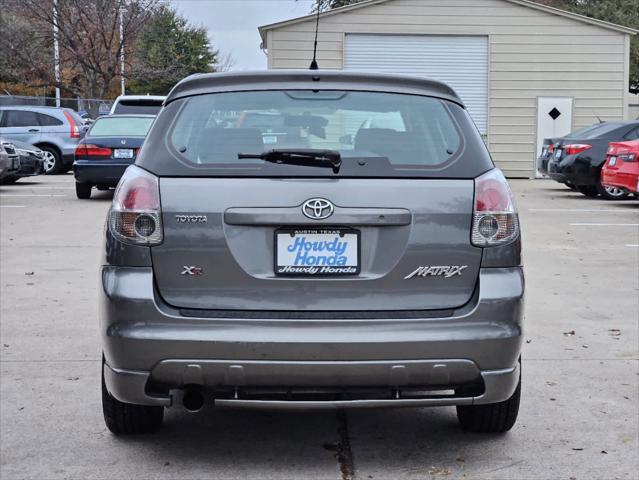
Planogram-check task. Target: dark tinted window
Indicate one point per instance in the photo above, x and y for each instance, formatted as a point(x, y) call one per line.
point(633, 135)
point(403, 131)
point(602, 131)
point(20, 118)
point(143, 107)
point(48, 120)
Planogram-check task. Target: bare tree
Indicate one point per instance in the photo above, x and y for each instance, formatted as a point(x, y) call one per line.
point(225, 61)
point(89, 38)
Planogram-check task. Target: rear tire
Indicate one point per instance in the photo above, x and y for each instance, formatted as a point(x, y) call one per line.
point(612, 193)
point(83, 190)
point(126, 418)
point(588, 190)
point(52, 160)
point(493, 417)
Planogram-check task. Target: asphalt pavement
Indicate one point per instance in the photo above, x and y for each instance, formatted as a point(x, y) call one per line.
point(579, 417)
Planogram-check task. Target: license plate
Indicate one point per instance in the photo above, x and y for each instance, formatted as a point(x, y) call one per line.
point(612, 162)
point(558, 154)
point(123, 153)
point(316, 252)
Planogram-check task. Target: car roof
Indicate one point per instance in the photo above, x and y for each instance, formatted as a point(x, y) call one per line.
point(140, 97)
point(204, 83)
point(125, 115)
point(33, 107)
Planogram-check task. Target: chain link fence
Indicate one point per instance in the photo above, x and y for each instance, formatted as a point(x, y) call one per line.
point(93, 107)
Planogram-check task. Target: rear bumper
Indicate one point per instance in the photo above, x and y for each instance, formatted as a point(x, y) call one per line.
point(575, 170)
point(102, 172)
point(626, 178)
point(150, 349)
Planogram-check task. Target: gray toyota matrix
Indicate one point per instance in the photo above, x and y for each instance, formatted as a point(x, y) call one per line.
point(353, 248)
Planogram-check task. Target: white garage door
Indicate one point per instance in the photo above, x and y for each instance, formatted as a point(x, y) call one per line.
point(461, 62)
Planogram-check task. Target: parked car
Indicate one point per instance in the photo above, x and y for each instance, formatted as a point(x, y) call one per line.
point(578, 159)
point(56, 131)
point(621, 169)
point(31, 161)
point(137, 104)
point(548, 148)
point(108, 148)
point(384, 274)
point(9, 159)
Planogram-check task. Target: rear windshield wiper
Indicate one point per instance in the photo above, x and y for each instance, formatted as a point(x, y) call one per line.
point(306, 157)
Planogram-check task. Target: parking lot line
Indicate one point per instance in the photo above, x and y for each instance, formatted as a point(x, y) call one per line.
point(577, 210)
point(604, 224)
point(632, 246)
point(32, 195)
point(11, 206)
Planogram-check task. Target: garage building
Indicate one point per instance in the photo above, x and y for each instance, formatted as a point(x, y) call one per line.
point(524, 70)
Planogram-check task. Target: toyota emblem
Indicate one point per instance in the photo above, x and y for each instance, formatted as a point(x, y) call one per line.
point(317, 208)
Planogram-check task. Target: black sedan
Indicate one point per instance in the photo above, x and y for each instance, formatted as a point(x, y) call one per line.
point(109, 147)
point(31, 162)
point(578, 158)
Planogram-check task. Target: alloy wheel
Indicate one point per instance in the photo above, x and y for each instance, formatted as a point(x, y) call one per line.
point(49, 161)
point(615, 192)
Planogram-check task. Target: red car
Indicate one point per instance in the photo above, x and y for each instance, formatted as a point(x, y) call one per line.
point(621, 169)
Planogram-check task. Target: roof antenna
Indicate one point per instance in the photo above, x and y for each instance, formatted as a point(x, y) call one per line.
point(597, 116)
point(314, 65)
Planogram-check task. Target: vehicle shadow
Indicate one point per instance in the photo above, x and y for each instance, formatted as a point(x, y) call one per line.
point(383, 443)
point(234, 443)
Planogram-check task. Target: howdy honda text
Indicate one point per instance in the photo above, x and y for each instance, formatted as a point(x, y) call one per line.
point(445, 271)
point(317, 252)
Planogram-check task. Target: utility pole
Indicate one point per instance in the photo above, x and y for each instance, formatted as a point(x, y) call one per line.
point(122, 10)
point(56, 53)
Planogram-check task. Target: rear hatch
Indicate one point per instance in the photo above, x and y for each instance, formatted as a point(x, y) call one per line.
point(389, 230)
point(227, 230)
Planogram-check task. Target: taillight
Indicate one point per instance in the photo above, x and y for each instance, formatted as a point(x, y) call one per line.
point(495, 220)
point(75, 130)
point(551, 148)
point(89, 150)
point(576, 148)
point(135, 215)
point(627, 157)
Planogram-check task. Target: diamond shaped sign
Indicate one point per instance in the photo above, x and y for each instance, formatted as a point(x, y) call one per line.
point(554, 113)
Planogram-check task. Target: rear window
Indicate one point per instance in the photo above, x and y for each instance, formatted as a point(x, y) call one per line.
point(594, 131)
point(377, 134)
point(144, 107)
point(121, 127)
point(402, 130)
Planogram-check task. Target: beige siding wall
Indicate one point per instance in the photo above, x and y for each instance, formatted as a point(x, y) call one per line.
point(532, 53)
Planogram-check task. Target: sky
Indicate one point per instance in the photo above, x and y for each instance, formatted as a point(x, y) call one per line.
point(232, 24)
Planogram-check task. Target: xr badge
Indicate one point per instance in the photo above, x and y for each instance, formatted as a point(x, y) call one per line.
point(445, 271)
point(192, 270)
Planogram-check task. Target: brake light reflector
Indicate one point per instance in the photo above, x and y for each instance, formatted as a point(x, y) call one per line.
point(576, 148)
point(75, 130)
point(495, 219)
point(135, 215)
point(89, 150)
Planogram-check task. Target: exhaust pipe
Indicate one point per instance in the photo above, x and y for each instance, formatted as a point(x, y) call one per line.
point(193, 400)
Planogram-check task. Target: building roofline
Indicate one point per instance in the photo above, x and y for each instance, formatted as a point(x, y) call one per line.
point(524, 3)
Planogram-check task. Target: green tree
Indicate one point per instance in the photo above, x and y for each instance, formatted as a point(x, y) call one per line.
point(167, 50)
